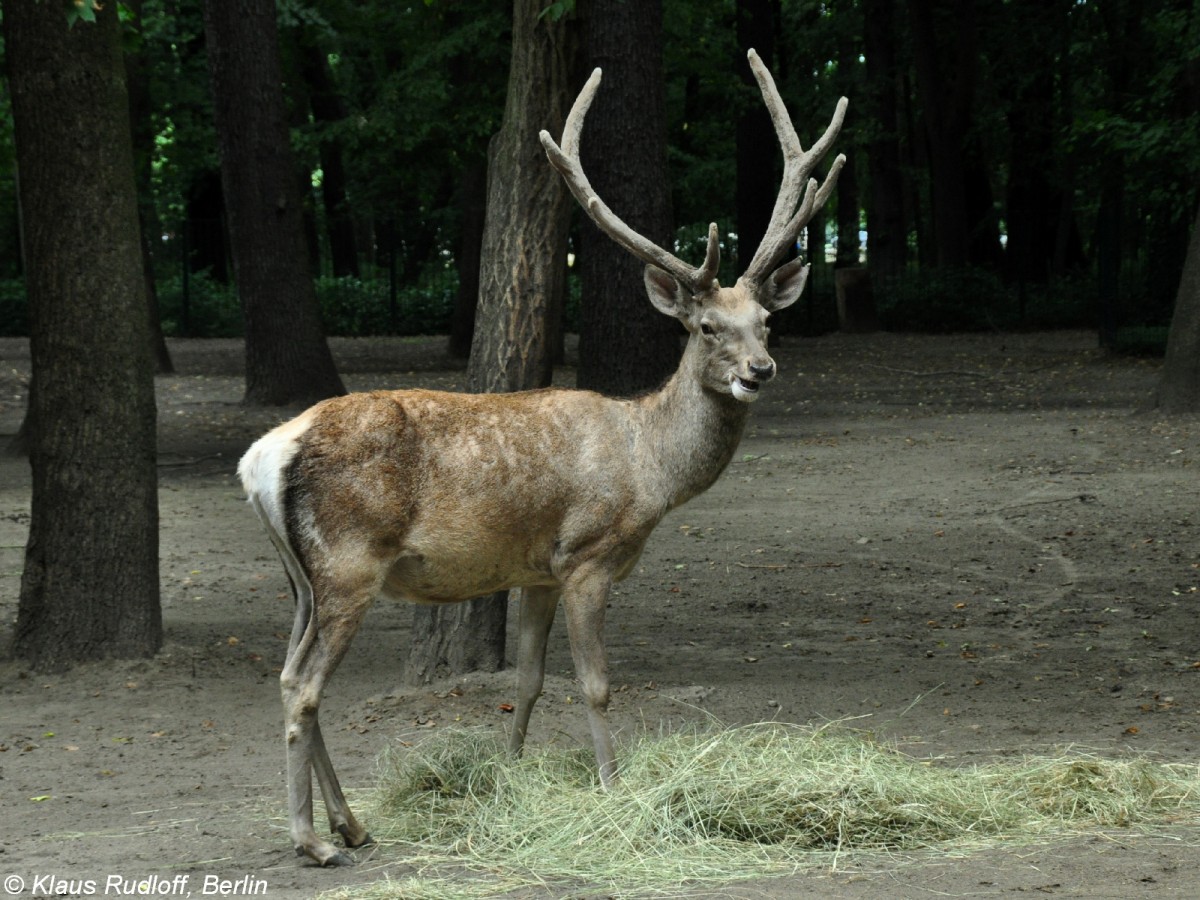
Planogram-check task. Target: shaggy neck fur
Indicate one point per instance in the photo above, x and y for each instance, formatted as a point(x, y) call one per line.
point(694, 430)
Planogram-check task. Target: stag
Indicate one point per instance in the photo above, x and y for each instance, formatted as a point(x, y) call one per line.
point(438, 497)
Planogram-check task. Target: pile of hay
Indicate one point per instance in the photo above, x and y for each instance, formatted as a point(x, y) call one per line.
point(717, 805)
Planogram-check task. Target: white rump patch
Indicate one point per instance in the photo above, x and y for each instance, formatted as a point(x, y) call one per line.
point(261, 469)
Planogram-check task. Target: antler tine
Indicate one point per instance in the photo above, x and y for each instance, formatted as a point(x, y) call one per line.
point(566, 161)
point(786, 220)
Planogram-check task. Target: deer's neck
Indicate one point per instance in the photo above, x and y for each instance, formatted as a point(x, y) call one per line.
point(690, 433)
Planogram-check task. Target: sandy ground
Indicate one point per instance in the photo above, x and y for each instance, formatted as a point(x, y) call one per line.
point(974, 546)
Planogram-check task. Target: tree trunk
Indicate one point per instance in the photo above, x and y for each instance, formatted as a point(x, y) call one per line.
point(848, 208)
point(757, 154)
point(287, 357)
point(946, 89)
point(1179, 384)
point(472, 206)
point(205, 243)
point(625, 345)
point(887, 238)
point(90, 584)
point(328, 108)
point(524, 249)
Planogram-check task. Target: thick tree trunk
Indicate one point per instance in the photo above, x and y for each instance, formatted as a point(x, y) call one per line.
point(849, 210)
point(90, 585)
point(472, 206)
point(1179, 384)
point(287, 357)
point(205, 244)
point(887, 237)
point(625, 345)
point(757, 149)
point(962, 219)
point(524, 249)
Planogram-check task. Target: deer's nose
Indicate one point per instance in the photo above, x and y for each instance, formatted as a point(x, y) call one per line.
point(762, 371)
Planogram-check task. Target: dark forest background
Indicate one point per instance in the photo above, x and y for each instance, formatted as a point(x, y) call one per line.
point(1028, 163)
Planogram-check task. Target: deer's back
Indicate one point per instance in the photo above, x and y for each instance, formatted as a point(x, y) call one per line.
point(456, 495)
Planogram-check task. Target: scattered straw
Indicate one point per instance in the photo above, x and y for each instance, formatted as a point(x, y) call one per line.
point(716, 805)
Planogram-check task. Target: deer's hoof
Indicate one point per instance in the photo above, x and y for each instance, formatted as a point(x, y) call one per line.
point(326, 855)
point(340, 858)
point(364, 839)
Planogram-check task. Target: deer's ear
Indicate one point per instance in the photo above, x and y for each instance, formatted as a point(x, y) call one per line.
point(784, 286)
point(667, 294)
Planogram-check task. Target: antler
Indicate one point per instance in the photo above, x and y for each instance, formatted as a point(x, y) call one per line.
point(786, 219)
point(566, 161)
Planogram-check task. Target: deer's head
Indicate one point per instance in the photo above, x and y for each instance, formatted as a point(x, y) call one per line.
point(727, 325)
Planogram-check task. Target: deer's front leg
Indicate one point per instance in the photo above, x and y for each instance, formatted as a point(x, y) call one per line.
point(585, 596)
point(537, 615)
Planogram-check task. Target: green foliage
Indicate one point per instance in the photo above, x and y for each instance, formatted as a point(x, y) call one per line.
point(556, 10)
point(172, 44)
point(201, 307)
point(969, 299)
point(353, 307)
point(422, 86)
point(1141, 340)
point(14, 308)
point(81, 11)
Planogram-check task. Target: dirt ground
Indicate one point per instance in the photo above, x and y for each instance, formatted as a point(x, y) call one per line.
point(975, 546)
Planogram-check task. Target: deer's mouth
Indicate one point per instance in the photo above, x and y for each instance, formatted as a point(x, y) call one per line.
point(744, 389)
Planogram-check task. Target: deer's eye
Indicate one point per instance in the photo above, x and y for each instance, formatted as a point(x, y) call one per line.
point(707, 329)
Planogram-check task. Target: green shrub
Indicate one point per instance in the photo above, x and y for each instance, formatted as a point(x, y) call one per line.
point(209, 309)
point(1141, 340)
point(946, 300)
point(971, 299)
point(14, 308)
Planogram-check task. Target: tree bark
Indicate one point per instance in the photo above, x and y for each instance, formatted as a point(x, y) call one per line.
point(625, 345)
point(472, 206)
point(887, 238)
point(964, 228)
point(757, 153)
point(205, 245)
point(849, 212)
point(524, 249)
point(287, 357)
point(90, 588)
point(1179, 384)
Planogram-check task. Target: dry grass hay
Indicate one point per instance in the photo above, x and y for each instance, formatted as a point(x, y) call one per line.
point(715, 805)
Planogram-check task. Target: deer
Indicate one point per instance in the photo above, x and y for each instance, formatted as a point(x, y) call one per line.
point(439, 497)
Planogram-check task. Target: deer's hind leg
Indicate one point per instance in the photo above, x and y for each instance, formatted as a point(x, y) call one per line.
point(325, 626)
point(538, 605)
